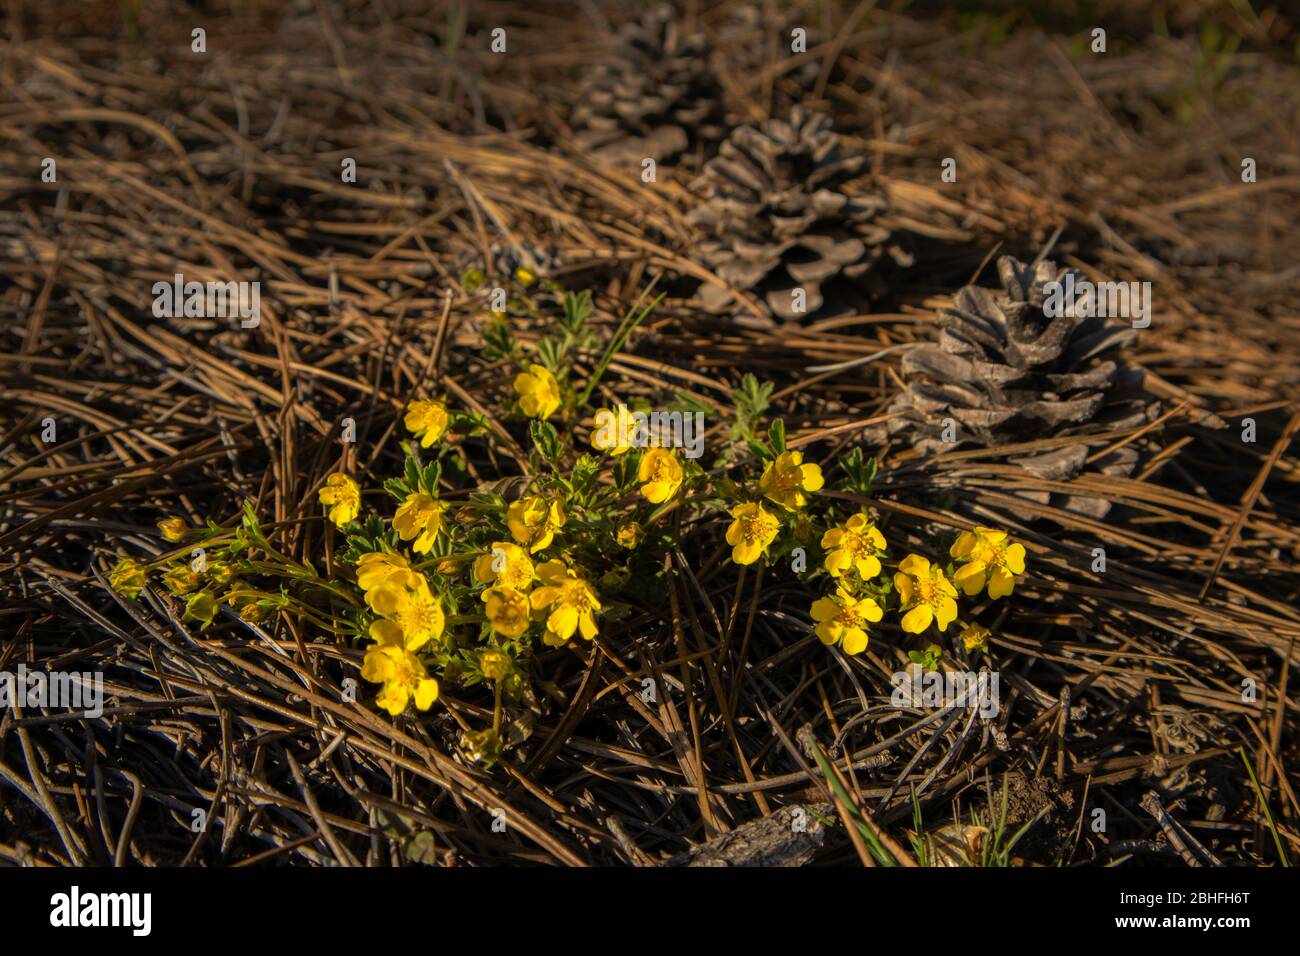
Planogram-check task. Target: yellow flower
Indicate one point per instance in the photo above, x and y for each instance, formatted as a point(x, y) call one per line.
point(220, 573)
point(377, 568)
point(419, 614)
point(201, 607)
point(181, 579)
point(254, 613)
point(855, 545)
point(661, 475)
point(507, 610)
point(991, 558)
point(507, 565)
point(344, 495)
point(751, 532)
point(127, 578)
point(572, 602)
point(403, 676)
point(172, 529)
point(842, 619)
point(494, 664)
point(384, 631)
point(539, 392)
point(614, 430)
point(427, 420)
point(534, 521)
point(629, 534)
point(975, 637)
point(787, 479)
point(926, 595)
point(419, 517)
point(414, 615)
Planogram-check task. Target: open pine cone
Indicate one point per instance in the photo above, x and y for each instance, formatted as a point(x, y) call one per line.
point(775, 219)
point(656, 97)
point(1004, 372)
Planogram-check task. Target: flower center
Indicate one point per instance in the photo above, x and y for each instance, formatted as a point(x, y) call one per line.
point(574, 594)
point(787, 480)
point(927, 591)
point(404, 673)
point(417, 617)
point(855, 544)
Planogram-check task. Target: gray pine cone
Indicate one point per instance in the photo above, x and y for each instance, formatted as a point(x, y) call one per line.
point(656, 97)
point(775, 219)
point(1005, 372)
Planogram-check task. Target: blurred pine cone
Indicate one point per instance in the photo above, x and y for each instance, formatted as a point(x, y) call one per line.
point(1005, 372)
point(776, 220)
point(656, 97)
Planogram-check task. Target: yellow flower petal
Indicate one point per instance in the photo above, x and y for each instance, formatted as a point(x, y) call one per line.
point(563, 621)
point(867, 608)
point(963, 546)
point(970, 577)
point(824, 609)
point(854, 641)
point(918, 619)
point(1015, 558)
point(426, 692)
point(915, 564)
point(386, 632)
point(393, 698)
point(945, 613)
point(868, 567)
point(1001, 582)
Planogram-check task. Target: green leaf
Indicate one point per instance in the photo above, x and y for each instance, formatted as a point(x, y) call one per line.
point(577, 309)
point(546, 439)
point(584, 472)
point(399, 489)
point(498, 338)
point(751, 400)
point(429, 478)
point(251, 523)
point(625, 469)
point(861, 474)
point(776, 435)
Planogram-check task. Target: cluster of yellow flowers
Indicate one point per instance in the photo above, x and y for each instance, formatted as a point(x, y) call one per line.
point(786, 482)
point(570, 547)
point(926, 594)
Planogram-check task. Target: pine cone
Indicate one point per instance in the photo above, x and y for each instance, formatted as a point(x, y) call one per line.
point(775, 218)
point(1005, 372)
point(655, 98)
